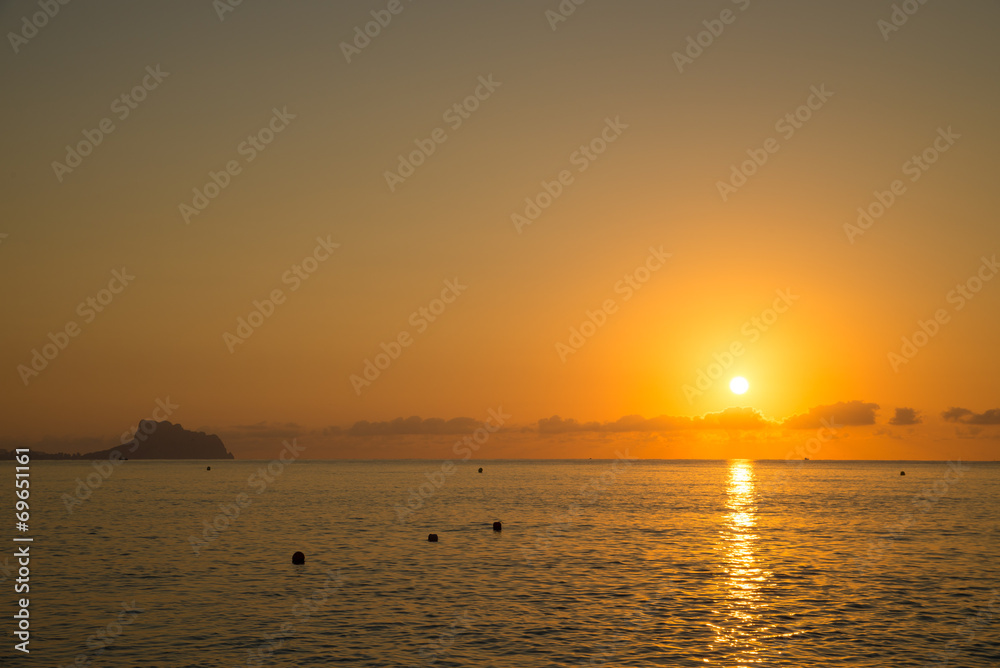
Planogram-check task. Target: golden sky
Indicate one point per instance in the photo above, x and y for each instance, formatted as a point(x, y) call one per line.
point(560, 215)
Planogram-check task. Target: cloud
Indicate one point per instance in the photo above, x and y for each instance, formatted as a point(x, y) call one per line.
point(841, 414)
point(409, 426)
point(734, 418)
point(260, 429)
point(955, 414)
point(69, 445)
point(965, 416)
point(556, 425)
point(905, 416)
point(731, 418)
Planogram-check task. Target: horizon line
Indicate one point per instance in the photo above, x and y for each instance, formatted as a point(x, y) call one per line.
point(533, 459)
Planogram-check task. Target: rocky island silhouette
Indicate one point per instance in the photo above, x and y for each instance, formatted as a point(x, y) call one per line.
point(152, 440)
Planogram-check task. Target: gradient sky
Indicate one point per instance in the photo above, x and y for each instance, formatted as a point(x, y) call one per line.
point(656, 185)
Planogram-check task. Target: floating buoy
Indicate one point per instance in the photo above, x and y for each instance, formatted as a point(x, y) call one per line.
point(298, 558)
point(480, 469)
point(902, 473)
point(497, 526)
point(432, 538)
point(208, 468)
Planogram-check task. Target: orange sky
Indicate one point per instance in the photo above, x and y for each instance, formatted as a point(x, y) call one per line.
point(255, 156)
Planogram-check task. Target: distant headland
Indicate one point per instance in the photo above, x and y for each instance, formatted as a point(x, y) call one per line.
point(152, 440)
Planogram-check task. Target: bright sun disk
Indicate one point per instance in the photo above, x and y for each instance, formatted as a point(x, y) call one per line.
point(739, 385)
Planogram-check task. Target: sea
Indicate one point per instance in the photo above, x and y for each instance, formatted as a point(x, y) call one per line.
point(596, 563)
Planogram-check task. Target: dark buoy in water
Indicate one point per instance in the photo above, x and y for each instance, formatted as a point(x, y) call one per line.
point(497, 526)
point(432, 538)
point(902, 473)
point(208, 468)
point(298, 558)
point(480, 469)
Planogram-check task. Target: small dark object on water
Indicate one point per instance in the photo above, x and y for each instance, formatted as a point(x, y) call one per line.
point(902, 473)
point(480, 469)
point(497, 526)
point(208, 468)
point(298, 558)
point(432, 538)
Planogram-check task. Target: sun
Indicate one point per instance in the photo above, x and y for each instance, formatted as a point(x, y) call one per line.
point(739, 385)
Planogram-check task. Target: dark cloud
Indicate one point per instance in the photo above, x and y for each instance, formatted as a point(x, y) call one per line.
point(905, 416)
point(955, 414)
point(556, 425)
point(841, 414)
point(53, 445)
point(260, 429)
point(410, 426)
point(629, 423)
point(731, 418)
point(965, 416)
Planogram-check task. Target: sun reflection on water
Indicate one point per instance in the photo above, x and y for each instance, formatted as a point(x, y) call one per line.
point(741, 630)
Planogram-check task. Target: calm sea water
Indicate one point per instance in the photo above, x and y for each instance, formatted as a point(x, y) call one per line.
point(657, 563)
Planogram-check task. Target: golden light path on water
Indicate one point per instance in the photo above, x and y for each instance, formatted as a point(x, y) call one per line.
point(741, 630)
